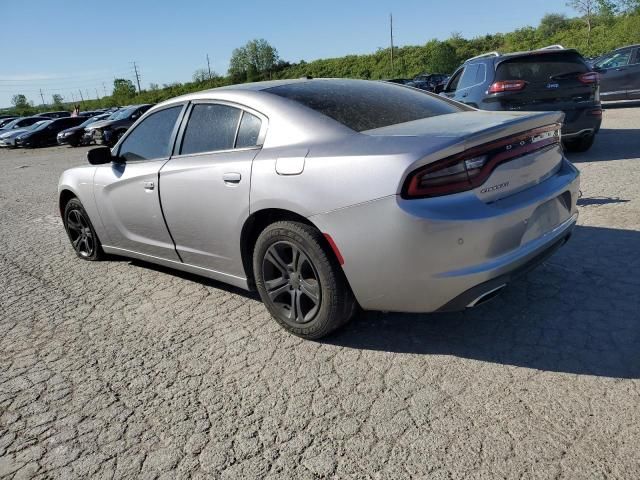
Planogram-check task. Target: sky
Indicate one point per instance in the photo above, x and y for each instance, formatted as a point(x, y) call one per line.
point(75, 47)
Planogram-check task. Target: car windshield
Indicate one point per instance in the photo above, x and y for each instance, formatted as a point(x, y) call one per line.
point(91, 120)
point(362, 105)
point(122, 114)
point(13, 123)
point(42, 124)
point(37, 124)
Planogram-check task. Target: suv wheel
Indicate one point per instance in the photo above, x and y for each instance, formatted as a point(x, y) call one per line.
point(581, 144)
point(302, 286)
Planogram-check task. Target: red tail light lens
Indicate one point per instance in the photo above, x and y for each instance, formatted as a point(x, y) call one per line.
point(507, 86)
point(589, 77)
point(473, 167)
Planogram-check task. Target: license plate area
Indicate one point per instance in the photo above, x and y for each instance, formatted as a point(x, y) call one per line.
point(547, 216)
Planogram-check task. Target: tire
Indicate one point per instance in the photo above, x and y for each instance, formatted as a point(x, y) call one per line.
point(288, 282)
point(82, 235)
point(581, 144)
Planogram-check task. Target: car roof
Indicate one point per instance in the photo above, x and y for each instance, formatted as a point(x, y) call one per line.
point(500, 57)
point(625, 47)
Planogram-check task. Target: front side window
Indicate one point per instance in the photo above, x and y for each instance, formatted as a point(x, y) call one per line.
point(211, 127)
point(152, 137)
point(455, 80)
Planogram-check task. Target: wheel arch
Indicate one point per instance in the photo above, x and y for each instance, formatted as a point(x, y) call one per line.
point(256, 223)
point(65, 195)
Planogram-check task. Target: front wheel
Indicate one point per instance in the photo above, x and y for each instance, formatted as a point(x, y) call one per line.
point(581, 144)
point(301, 284)
point(81, 233)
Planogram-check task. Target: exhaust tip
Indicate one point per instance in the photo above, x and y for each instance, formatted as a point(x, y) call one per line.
point(486, 296)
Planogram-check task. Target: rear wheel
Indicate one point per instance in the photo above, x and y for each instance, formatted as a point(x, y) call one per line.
point(81, 233)
point(581, 144)
point(301, 284)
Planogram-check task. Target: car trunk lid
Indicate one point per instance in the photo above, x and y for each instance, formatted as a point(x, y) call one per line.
point(494, 154)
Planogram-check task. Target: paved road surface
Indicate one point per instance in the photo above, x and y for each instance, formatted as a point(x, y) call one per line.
point(121, 369)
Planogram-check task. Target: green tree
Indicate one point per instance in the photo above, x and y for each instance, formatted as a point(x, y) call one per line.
point(57, 100)
point(257, 59)
point(552, 23)
point(123, 89)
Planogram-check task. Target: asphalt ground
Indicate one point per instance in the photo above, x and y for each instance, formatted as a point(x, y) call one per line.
point(120, 369)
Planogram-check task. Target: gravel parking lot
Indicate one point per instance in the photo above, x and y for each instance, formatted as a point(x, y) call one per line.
point(122, 369)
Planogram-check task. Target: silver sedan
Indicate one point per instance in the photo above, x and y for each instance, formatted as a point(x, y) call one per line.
point(329, 195)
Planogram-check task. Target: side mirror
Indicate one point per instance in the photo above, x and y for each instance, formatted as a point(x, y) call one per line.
point(99, 156)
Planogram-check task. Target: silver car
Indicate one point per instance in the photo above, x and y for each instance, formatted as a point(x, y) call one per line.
point(327, 194)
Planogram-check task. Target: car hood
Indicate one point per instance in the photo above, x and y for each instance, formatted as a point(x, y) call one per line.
point(12, 133)
point(72, 129)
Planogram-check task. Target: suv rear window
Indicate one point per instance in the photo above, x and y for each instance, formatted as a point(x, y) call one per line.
point(541, 67)
point(362, 105)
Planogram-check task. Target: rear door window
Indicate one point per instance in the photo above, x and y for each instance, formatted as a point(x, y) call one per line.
point(468, 78)
point(211, 127)
point(249, 131)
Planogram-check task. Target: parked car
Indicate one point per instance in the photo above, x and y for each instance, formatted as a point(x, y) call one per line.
point(8, 139)
point(60, 114)
point(542, 80)
point(74, 136)
point(21, 122)
point(6, 120)
point(619, 74)
point(400, 81)
point(108, 132)
point(282, 186)
point(431, 82)
point(46, 135)
point(5, 116)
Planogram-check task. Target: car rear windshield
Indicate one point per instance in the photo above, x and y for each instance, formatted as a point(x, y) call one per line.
point(541, 67)
point(364, 105)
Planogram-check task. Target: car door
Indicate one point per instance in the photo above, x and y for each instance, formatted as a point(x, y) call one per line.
point(126, 191)
point(633, 75)
point(614, 75)
point(205, 186)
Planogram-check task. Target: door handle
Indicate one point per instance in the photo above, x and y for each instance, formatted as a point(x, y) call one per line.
point(149, 185)
point(231, 177)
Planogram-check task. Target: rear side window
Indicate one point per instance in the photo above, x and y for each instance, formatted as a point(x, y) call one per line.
point(362, 105)
point(249, 131)
point(151, 138)
point(541, 67)
point(211, 127)
point(472, 75)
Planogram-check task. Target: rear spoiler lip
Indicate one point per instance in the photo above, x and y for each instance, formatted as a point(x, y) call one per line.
point(521, 124)
point(505, 58)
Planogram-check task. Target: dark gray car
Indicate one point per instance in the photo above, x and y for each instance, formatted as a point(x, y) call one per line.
point(619, 74)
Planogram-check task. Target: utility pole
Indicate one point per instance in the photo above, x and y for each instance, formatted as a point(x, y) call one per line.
point(209, 66)
point(104, 88)
point(135, 68)
point(97, 94)
point(391, 31)
point(81, 97)
point(42, 96)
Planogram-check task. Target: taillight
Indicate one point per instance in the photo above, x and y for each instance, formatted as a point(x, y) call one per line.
point(471, 168)
point(596, 112)
point(589, 77)
point(507, 86)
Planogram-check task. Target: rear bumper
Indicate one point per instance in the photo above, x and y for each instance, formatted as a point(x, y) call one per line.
point(581, 122)
point(434, 254)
